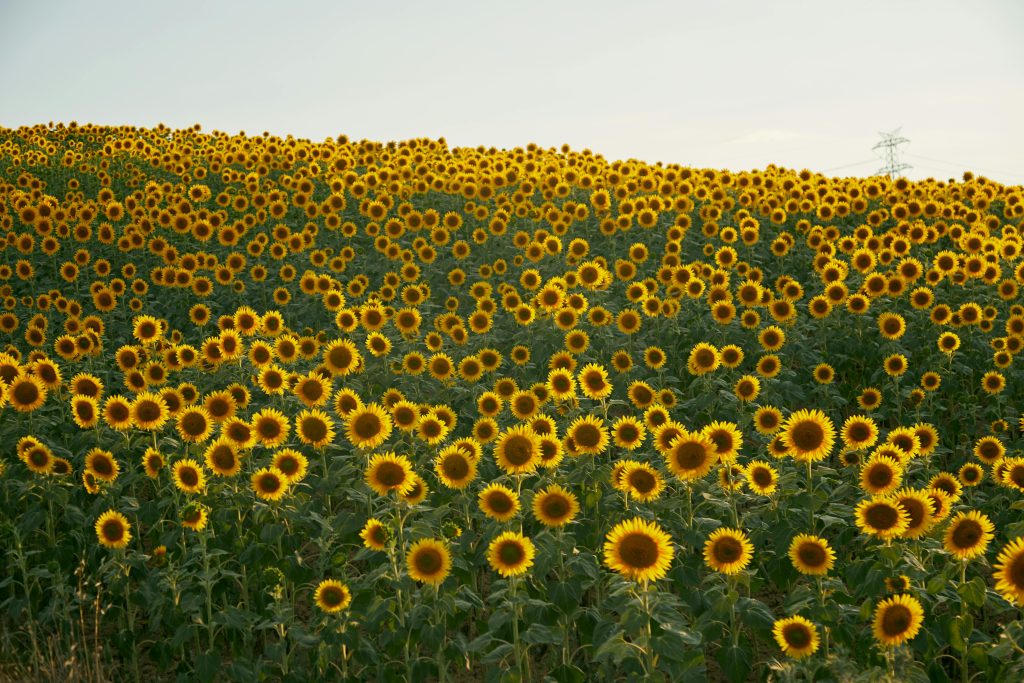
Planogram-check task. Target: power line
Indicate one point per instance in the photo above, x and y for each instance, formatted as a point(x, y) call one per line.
point(956, 164)
point(889, 147)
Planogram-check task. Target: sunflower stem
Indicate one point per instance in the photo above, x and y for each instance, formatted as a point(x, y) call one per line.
point(442, 667)
point(810, 498)
point(964, 677)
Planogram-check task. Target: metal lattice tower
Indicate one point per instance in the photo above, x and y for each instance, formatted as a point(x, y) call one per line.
point(888, 150)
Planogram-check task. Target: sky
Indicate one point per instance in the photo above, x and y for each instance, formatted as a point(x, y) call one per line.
point(735, 85)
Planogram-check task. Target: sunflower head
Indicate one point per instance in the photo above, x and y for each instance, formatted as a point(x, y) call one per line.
point(113, 530)
point(428, 561)
point(811, 555)
point(897, 620)
point(797, 636)
point(639, 550)
point(332, 596)
point(511, 554)
point(728, 550)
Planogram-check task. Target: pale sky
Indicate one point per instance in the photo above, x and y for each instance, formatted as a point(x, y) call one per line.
point(733, 85)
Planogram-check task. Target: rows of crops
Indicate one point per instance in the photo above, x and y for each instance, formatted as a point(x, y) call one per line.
point(275, 409)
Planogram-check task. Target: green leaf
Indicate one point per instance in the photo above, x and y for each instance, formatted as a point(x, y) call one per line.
point(566, 673)
point(539, 634)
point(973, 592)
point(207, 666)
point(735, 661)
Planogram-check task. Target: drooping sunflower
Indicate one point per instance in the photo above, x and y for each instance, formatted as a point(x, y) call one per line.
point(269, 483)
point(897, 620)
point(882, 517)
point(511, 554)
point(728, 550)
point(188, 476)
point(691, 456)
point(428, 561)
point(555, 506)
point(499, 502)
point(454, 467)
point(388, 472)
point(1009, 571)
point(368, 426)
point(589, 434)
point(639, 550)
point(113, 530)
point(811, 555)
point(797, 636)
point(332, 596)
point(968, 535)
point(809, 435)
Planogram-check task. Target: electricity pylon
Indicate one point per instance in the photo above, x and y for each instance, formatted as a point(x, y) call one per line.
point(888, 149)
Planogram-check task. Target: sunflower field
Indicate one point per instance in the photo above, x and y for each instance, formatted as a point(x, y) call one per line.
point(283, 410)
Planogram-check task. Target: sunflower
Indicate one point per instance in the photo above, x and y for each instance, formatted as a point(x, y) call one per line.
point(499, 502)
point(429, 561)
point(892, 326)
point(511, 554)
point(726, 437)
point(691, 456)
point(811, 555)
point(517, 450)
point(341, 357)
point(388, 472)
point(639, 550)
point(897, 620)
point(703, 358)
point(1009, 571)
point(85, 411)
point(113, 530)
point(39, 458)
point(188, 475)
point(368, 426)
point(762, 477)
point(881, 475)
point(881, 516)
point(222, 458)
point(454, 467)
point(194, 424)
point(797, 636)
point(561, 384)
point(418, 493)
point(589, 434)
point(102, 465)
point(642, 481)
point(593, 381)
point(26, 393)
point(149, 411)
point(628, 433)
point(859, 432)
point(374, 534)
point(870, 398)
point(269, 483)
point(728, 550)
point(971, 474)
point(314, 427)
point(768, 420)
point(808, 435)
point(195, 516)
point(555, 506)
point(968, 535)
point(152, 462)
point(747, 388)
point(920, 518)
point(146, 329)
point(332, 596)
